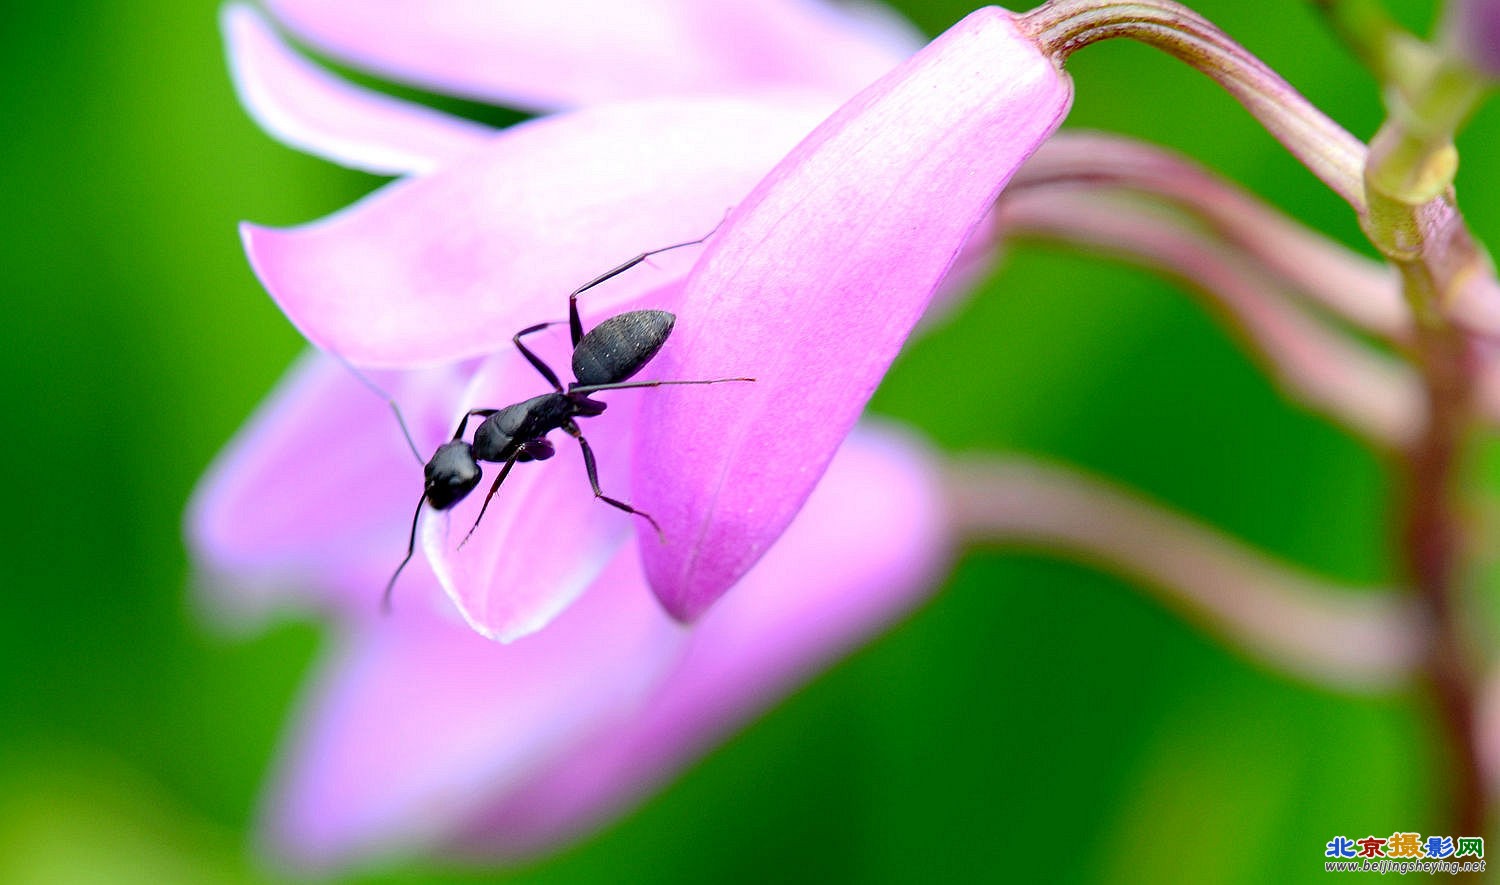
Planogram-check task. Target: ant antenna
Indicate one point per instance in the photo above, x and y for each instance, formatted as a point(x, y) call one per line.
point(626, 385)
point(395, 409)
point(411, 548)
point(715, 229)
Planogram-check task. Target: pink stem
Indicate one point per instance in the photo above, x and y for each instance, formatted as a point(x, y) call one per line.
point(1364, 292)
point(1331, 373)
point(1356, 639)
point(1332, 154)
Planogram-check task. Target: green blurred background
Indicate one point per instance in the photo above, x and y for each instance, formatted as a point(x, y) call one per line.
point(1037, 722)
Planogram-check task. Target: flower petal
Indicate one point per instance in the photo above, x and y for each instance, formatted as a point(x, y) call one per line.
point(420, 735)
point(533, 56)
point(411, 726)
point(451, 264)
point(867, 548)
point(544, 537)
point(290, 508)
point(812, 287)
point(310, 109)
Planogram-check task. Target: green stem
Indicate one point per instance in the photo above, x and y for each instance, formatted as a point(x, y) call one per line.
point(1384, 47)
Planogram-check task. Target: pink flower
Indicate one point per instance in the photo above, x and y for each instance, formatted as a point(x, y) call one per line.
point(418, 737)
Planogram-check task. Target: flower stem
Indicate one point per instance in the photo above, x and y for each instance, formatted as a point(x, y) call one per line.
point(1332, 373)
point(1062, 26)
point(1432, 547)
point(1354, 639)
point(1362, 291)
point(1413, 219)
point(1401, 189)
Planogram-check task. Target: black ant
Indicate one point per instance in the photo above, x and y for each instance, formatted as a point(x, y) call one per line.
point(604, 359)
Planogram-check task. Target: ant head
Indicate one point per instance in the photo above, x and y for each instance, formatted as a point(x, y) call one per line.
point(451, 474)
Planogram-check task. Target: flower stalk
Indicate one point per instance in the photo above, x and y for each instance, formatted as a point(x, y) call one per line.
point(1356, 639)
point(1432, 546)
point(1413, 220)
point(1374, 396)
point(1063, 26)
point(1360, 291)
point(1402, 190)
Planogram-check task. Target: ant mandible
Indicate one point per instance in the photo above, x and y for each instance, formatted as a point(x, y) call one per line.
point(604, 359)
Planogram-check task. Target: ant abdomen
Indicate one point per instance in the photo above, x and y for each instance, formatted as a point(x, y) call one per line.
point(620, 346)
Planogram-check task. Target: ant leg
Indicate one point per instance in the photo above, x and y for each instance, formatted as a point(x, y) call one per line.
point(575, 325)
point(536, 361)
point(588, 463)
point(411, 548)
point(472, 413)
point(625, 385)
point(539, 449)
point(494, 487)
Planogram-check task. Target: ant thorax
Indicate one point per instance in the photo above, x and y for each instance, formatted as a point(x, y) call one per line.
point(499, 435)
